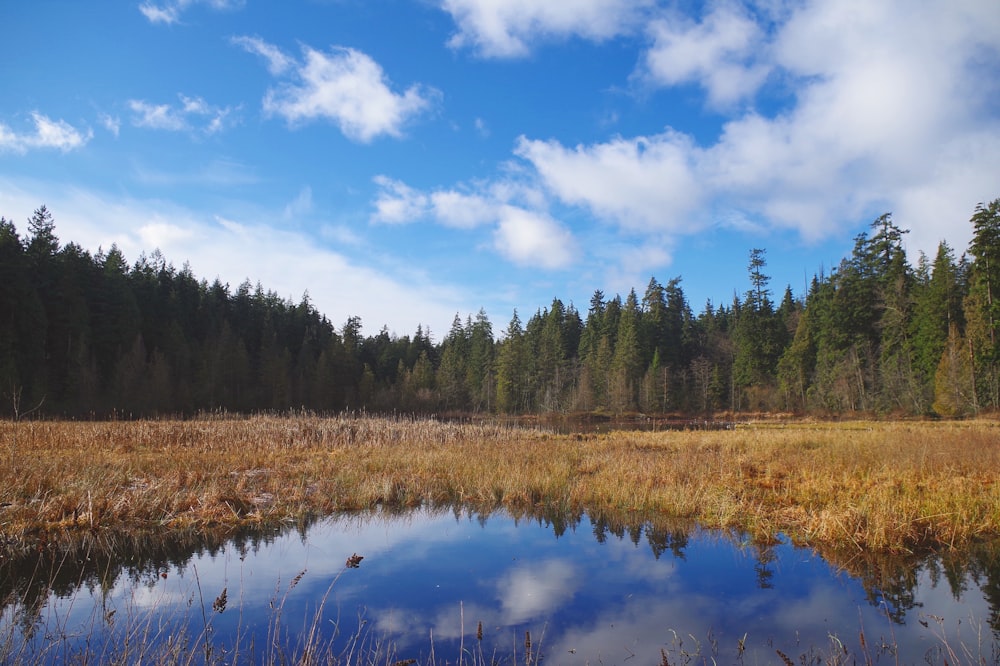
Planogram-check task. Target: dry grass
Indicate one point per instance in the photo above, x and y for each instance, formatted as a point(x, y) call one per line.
point(870, 486)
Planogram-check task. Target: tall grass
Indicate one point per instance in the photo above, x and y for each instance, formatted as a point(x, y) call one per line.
point(185, 635)
point(867, 486)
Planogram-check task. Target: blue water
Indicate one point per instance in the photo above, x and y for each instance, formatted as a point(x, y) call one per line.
point(587, 596)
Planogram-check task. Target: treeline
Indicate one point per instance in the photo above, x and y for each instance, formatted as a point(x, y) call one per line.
point(86, 335)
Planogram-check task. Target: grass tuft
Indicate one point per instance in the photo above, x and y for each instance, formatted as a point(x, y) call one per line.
point(883, 486)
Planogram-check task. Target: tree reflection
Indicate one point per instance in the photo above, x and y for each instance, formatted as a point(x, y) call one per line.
point(99, 562)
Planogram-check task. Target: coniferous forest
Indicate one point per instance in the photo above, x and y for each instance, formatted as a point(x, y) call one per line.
point(92, 336)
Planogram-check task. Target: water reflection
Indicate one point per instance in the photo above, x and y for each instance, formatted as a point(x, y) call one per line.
point(581, 589)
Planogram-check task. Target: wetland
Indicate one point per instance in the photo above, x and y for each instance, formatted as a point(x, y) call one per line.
point(230, 539)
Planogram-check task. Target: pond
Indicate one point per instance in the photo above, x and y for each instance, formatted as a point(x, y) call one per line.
point(450, 586)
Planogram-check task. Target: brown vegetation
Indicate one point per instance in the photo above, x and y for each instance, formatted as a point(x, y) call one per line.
point(864, 485)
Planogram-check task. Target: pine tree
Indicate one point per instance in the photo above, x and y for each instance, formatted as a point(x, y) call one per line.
point(954, 393)
point(759, 338)
point(511, 380)
point(480, 374)
point(626, 365)
point(982, 305)
point(452, 373)
point(937, 308)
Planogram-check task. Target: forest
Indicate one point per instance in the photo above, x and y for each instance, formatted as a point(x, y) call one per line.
point(90, 336)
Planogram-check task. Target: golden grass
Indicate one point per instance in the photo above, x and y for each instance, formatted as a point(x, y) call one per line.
point(886, 486)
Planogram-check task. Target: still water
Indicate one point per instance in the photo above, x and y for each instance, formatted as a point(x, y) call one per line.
point(566, 591)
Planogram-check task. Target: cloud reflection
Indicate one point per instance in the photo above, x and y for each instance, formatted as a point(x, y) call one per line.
point(533, 590)
point(429, 579)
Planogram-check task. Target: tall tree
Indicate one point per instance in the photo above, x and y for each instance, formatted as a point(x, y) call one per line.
point(937, 308)
point(759, 338)
point(899, 384)
point(511, 371)
point(626, 365)
point(22, 319)
point(480, 374)
point(982, 306)
point(453, 371)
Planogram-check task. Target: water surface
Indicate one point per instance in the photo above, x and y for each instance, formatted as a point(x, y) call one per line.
point(581, 590)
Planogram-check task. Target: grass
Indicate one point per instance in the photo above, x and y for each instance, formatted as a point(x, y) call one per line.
point(179, 635)
point(866, 486)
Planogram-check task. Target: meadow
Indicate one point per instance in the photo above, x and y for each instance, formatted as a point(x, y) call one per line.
point(868, 486)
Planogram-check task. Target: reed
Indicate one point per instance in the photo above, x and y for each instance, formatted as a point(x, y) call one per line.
point(181, 636)
point(885, 486)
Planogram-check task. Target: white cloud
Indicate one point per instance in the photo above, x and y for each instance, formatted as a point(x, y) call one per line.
point(523, 232)
point(398, 203)
point(344, 86)
point(462, 210)
point(158, 234)
point(170, 12)
point(713, 53)
point(111, 123)
point(531, 238)
point(156, 116)
point(301, 205)
point(193, 114)
point(277, 62)
point(644, 183)
point(890, 110)
point(286, 262)
point(48, 133)
point(507, 28)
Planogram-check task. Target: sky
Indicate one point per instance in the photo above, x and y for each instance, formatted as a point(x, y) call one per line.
point(407, 161)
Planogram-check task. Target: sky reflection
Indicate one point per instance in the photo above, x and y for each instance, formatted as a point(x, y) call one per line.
point(430, 578)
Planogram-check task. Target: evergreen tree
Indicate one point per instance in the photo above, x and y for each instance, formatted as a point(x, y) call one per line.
point(797, 365)
point(759, 338)
point(480, 375)
point(591, 382)
point(954, 383)
point(937, 308)
point(982, 306)
point(511, 372)
point(452, 373)
point(22, 323)
point(626, 365)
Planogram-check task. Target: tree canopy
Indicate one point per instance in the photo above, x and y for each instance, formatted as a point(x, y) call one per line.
point(85, 335)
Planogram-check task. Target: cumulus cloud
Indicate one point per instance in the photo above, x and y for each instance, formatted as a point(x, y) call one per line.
point(289, 262)
point(48, 133)
point(644, 183)
point(192, 114)
point(523, 233)
point(462, 210)
point(888, 110)
point(532, 238)
point(170, 12)
point(721, 53)
point(831, 114)
point(507, 28)
point(344, 86)
point(398, 203)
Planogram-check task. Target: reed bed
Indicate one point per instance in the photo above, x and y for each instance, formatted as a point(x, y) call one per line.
point(879, 486)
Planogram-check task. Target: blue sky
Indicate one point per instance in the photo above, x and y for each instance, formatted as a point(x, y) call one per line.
point(407, 160)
